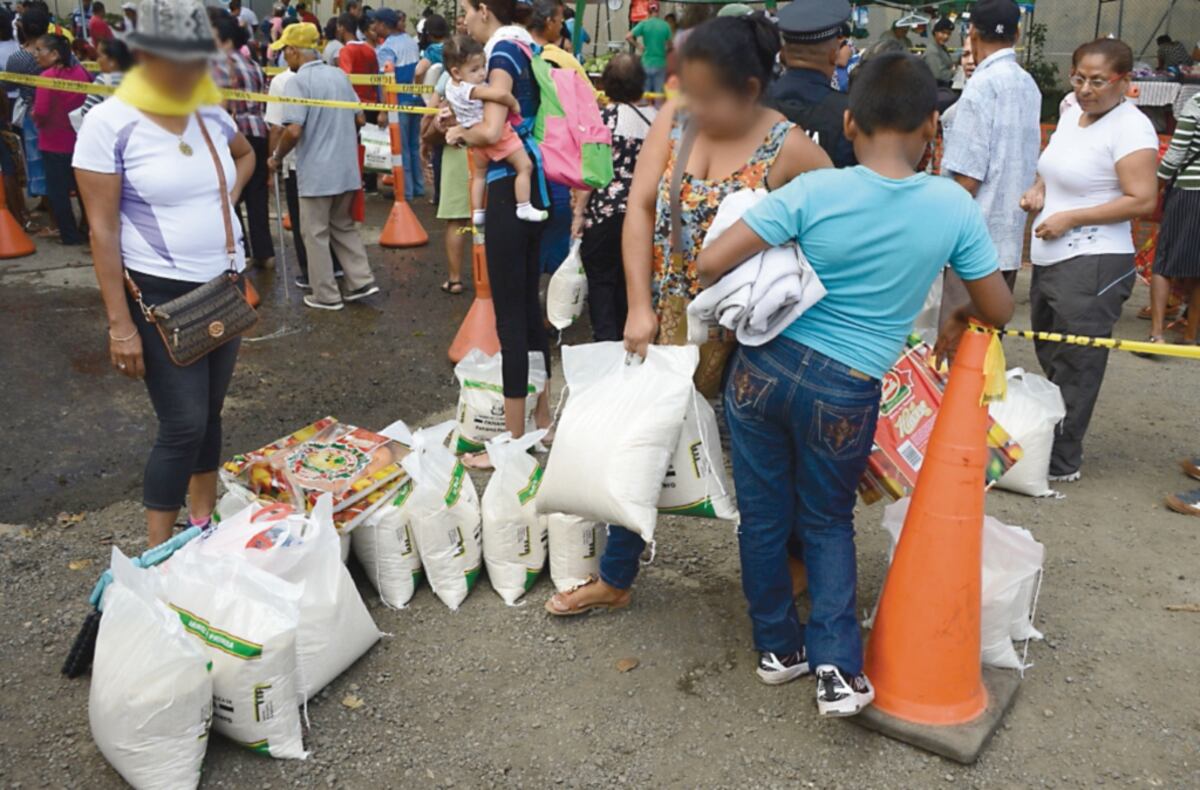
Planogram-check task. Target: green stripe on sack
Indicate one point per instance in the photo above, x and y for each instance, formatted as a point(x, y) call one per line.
point(531, 577)
point(403, 494)
point(261, 747)
point(215, 637)
point(456, 483)
point(530, 491)
point(472, 384)
point(702, 508)
point(472, 576)
point(465, 445)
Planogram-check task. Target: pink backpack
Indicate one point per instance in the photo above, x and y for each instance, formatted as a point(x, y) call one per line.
point(573, 145)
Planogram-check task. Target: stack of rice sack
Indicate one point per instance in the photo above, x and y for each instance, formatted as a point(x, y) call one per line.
point(238, 629)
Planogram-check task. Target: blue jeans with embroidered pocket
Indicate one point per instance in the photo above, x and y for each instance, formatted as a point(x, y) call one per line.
point(801, 427)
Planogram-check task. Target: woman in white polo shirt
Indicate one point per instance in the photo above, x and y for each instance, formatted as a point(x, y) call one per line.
point(1097, 174)
point(154, 203)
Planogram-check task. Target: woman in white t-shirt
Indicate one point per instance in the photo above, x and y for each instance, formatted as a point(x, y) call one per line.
point(154, 203)
point(1095, 176)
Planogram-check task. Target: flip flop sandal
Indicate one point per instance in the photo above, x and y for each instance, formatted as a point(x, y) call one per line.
point(1191, 467)
point(46, 233)
point(1188, 504)
point(1156, 339)
point(608, 606)
point(478, 462)
point(453, 287)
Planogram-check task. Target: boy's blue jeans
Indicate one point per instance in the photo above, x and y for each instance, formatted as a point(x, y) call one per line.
point(801, 427)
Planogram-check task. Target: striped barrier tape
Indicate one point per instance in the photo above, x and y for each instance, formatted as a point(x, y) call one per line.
point(1115, 344)
point(71, 86)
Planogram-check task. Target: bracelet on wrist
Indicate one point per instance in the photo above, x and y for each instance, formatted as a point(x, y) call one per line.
point(130, 336)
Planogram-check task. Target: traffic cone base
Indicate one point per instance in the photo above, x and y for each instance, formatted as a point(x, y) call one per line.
point(14, 241)
point(478, 330)
point(962, 743)
point(402, 228)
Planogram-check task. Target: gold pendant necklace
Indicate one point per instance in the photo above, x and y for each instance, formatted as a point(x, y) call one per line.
point(184, 148)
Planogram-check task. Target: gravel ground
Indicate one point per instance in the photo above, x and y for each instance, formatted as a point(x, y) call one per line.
point(494, 696)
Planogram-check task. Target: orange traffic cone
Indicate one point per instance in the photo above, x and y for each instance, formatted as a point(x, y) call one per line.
point(14, 241)
point(924, 651)
point(478, 329)
point(923, 655)
point(402, 228)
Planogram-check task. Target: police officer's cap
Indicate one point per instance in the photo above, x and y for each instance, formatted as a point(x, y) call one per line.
point(811, 21)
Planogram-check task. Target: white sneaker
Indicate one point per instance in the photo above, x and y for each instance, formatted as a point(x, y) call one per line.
point(311, 301)
point(837, 697)
point(1071, 478)
point(775, 670)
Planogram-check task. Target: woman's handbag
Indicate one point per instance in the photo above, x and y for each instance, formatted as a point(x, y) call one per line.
point(672, 308)
point(213, 314)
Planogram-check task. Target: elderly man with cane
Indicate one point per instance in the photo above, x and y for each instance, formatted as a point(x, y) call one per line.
point(326, 143)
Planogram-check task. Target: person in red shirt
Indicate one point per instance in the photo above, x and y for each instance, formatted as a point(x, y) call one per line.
point(98, 29)
point(358, 57)
point(307, 16)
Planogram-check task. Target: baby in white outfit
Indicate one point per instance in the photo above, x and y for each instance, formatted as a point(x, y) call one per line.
point(466, 92)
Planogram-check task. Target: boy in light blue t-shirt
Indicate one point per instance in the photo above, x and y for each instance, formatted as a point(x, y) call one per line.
point(802, 408)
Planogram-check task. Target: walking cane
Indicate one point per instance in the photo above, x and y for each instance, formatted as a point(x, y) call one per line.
point(283, 327)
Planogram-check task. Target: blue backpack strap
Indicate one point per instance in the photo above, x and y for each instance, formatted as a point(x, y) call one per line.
point(525, 128)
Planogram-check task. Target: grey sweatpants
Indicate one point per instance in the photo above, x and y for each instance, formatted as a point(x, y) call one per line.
point(326, 225)
point(1078, 296)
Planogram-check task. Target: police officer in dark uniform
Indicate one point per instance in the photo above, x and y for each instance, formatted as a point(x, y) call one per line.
point(811, 35)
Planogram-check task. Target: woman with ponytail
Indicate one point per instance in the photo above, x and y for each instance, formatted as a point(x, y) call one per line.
point(513, 245)
point(726, 140)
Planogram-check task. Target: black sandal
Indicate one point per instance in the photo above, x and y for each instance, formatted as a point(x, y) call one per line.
point(453, 287)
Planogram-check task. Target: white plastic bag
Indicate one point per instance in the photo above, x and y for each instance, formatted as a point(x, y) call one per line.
point(388, 553)
point(514, 536)
point(1030, 412)
point(576, 545)
point(480, 410)
point(377, 148)
point(1011, 574)
point(444, 516)
point(567, 291)
point(246, 619)
point(335, 627)
point(150, 702)
point(696, 484)
point(235, 499)
point(617, 434)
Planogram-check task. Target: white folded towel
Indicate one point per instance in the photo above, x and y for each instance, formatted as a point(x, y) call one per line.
point(761, 296)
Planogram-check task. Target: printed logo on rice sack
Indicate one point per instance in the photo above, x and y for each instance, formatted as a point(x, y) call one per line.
point(264, 709)
point(530, 491)
point(221, 640)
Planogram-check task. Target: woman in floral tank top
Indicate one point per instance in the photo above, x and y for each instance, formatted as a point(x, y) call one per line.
point(738, 144)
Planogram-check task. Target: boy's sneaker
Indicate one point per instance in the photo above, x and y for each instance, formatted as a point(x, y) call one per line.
point(838, 697)
point(303, 283)
point(312, 302)
point(775, 670)
point(1073, 477)
point(361, 293)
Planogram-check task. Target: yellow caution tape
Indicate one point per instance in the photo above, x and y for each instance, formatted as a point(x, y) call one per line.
point(369, 79)
point(71, 86)
point(1116, 344)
